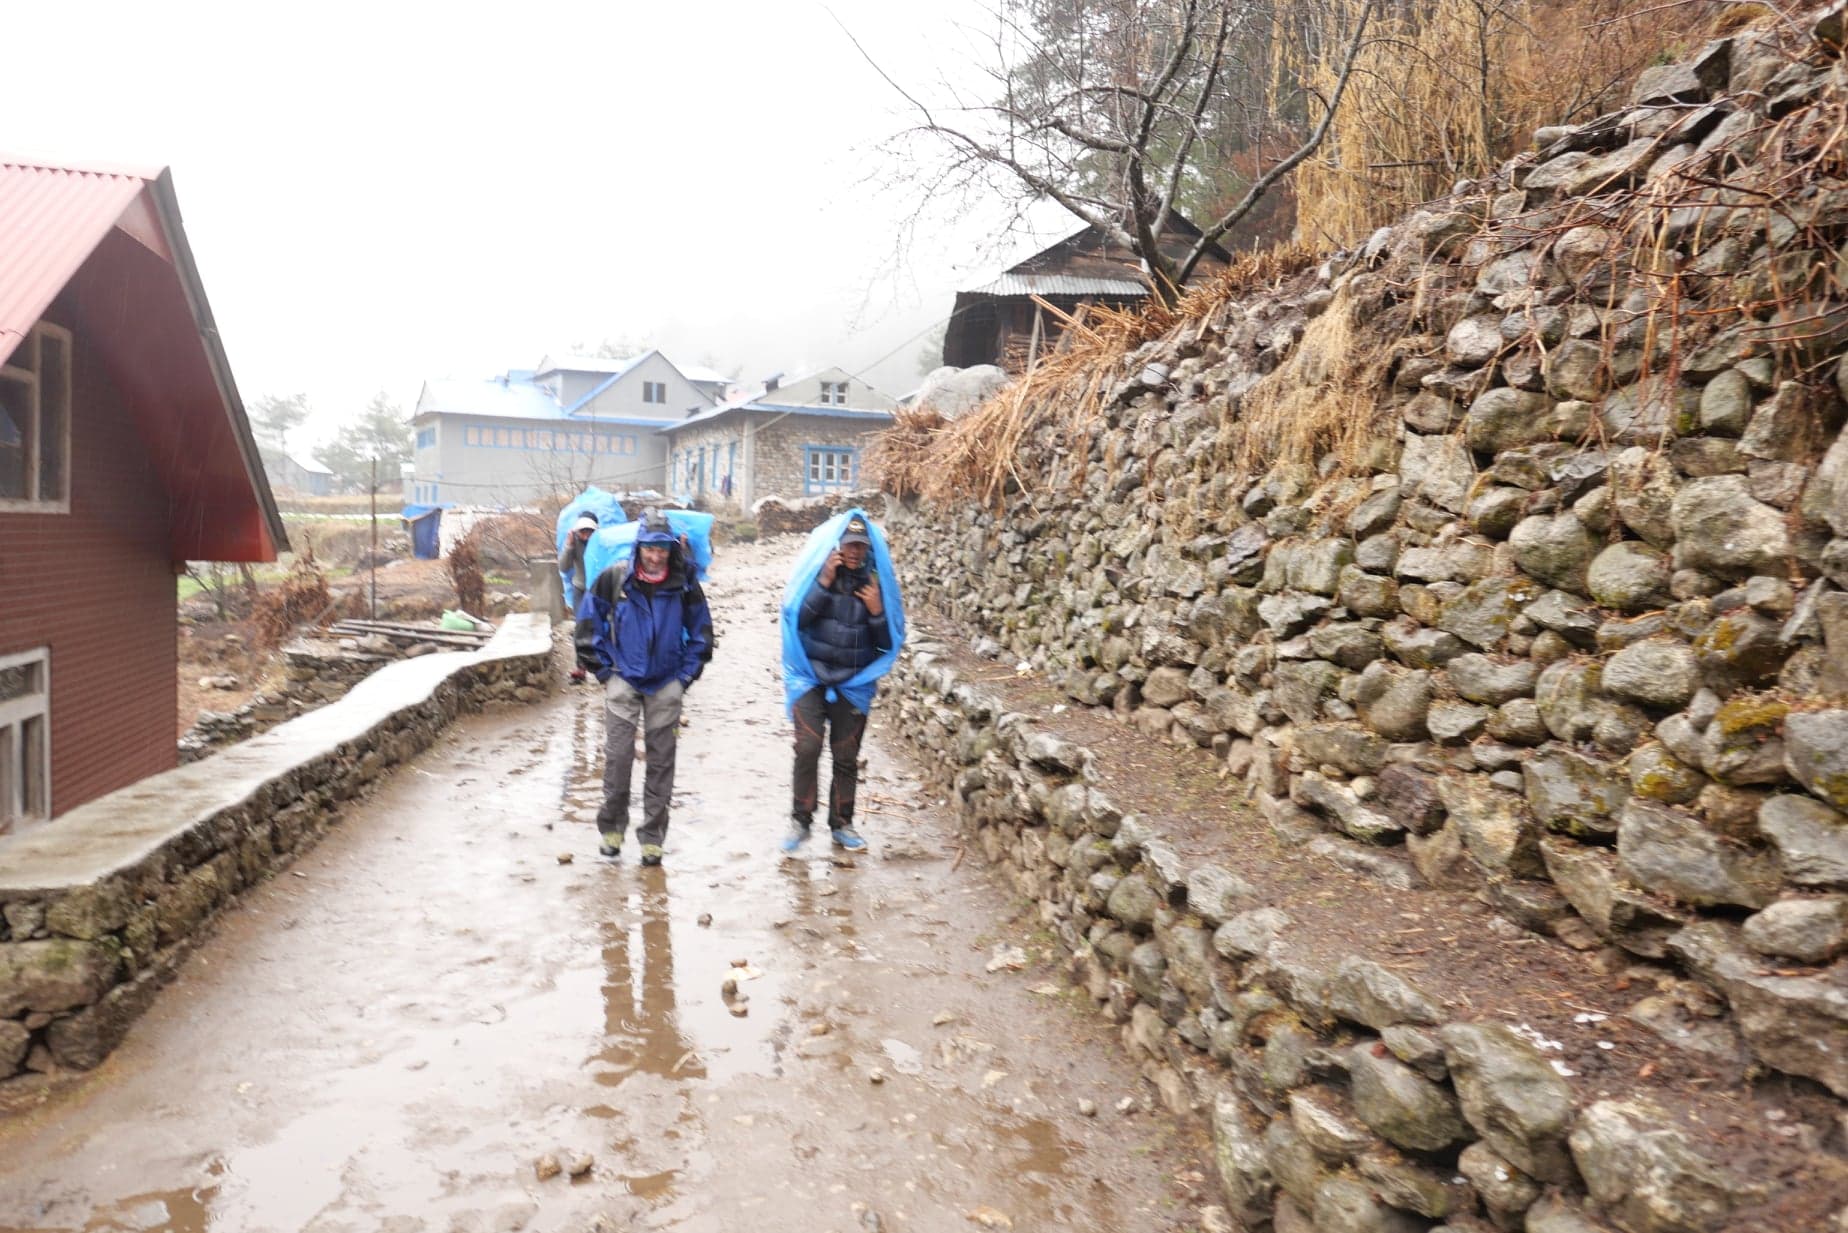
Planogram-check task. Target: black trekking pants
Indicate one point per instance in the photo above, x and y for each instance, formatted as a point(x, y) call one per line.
point(844, 728)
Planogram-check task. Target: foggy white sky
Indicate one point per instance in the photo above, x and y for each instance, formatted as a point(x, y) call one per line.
point(380, 193)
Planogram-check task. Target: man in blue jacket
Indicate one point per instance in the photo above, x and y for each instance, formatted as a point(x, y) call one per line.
point(843, 628)
point(645, 633)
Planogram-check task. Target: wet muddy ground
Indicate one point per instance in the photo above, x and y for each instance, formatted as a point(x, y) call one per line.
point(394, 1033)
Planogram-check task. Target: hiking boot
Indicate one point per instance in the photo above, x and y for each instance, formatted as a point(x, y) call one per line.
point(611, 845)
point(651, 854)
point(848, 838)
point(799, 828)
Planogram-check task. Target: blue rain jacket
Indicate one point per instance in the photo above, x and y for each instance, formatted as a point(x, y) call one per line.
point(798, 673)
point(646, 633)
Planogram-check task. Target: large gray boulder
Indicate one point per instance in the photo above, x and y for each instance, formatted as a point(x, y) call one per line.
point(1658, 672)
point(1630, 576)
point(1366, 993)
point(1721, 529)
point(1795, 1023)
point(1556, 549)
point(1637, 1166)
point(1811, 839)
point(1512, 1096)
point(1400, 1105)
point(952, 392)
point(1816, 752)
point(1807, 930)
point(55, 975)
point(1677, 855)
point(1573, 794)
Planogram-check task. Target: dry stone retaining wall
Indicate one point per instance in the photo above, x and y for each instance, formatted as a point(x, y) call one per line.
point(99, 907)
point(1566, 627)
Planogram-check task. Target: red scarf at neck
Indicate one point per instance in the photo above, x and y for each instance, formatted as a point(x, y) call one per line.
point(641, 571)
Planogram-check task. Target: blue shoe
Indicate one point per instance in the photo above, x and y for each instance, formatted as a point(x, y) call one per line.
point(798, 835)
point(848, 838)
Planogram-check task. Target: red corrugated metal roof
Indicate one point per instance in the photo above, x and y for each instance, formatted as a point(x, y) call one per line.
point(51, 220)
point(106, 246)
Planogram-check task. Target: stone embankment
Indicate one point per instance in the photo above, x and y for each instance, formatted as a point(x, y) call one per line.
point(1541, 664)
point(316, 671)
point(99, 908)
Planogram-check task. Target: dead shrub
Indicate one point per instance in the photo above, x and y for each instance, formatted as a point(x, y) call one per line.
point(1448, 89)
point(301, 598)
point(465, 573)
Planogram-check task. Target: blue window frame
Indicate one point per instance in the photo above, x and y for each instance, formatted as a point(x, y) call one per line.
point(426, 437)
point(829, 468)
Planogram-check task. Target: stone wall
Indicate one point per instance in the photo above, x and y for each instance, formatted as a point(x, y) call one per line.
point(99, 907)
point(1556, 620)
point(1342, 1095)
point(316, 671)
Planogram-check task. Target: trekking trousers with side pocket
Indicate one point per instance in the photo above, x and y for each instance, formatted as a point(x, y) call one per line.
point(658, 715)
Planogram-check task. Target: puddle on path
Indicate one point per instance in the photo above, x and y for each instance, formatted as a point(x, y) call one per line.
point(392, 1039)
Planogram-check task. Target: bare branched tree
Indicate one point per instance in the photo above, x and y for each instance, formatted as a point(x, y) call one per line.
point(1109, 108)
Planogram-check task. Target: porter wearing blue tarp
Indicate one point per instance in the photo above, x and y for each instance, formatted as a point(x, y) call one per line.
point(645, 632)
point(843, 623)
point(571, 567)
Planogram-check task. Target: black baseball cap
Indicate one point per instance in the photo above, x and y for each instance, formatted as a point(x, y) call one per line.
point(856, 532)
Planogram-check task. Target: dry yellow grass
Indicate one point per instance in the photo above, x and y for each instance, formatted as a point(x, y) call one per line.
point(1450, 88)
point(1322, 401)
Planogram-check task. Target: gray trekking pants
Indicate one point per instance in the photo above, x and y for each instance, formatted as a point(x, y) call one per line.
point(658, 714)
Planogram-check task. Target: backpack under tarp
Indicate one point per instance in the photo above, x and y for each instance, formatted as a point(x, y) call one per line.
point(611, 543)
point(798, 675)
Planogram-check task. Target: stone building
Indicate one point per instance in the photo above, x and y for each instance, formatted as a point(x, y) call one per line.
point(790, 439)
point(570, 422)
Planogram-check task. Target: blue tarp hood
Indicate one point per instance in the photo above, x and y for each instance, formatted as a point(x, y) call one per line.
point(798, 676)
point(611, 543)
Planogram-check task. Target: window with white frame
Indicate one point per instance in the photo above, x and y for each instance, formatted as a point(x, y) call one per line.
point(828, 468)
point(25, 738)
point(833, 393)
point(35, 422)
point(654, 391)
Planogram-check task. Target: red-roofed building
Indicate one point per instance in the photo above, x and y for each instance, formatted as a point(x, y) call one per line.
point(124, 452)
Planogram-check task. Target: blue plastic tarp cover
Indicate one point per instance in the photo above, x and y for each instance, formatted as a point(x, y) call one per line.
point(798, 676)
point(426, 530)
point(610, 544)
point(592, 500)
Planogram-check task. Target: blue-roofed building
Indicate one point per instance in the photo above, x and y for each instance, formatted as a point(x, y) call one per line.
point(791, 439)
point(530, 433)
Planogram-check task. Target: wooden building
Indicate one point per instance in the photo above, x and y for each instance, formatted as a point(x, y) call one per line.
point(124, 452)
point(999, 323)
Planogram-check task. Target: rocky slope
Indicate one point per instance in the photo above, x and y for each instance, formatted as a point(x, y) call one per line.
point(1552, 623)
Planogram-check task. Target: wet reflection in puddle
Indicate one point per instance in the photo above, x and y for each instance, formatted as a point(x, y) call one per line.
point(641, 1021)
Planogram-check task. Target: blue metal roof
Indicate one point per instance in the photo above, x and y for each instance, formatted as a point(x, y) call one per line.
point(776, 408)
point(508, 398)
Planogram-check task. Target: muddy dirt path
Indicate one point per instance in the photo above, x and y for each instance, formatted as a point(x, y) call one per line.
point(393, 1032)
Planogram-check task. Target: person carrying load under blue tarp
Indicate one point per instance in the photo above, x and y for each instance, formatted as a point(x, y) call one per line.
point(644, 631)
point(571, 568)
point(843, 623)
